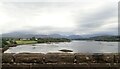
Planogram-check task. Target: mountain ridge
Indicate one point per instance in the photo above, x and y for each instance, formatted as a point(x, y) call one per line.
point(25, 34)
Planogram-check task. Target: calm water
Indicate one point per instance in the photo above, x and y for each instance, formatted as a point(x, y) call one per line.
point(75, 46)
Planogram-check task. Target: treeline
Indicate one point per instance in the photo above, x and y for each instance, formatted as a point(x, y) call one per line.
point(106, 38)
point(102, 38)
point(8, 42)
point(46, 40)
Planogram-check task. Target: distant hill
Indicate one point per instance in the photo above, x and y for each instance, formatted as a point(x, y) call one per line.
point(106, 38)
point(18, 35)
point(74, 37)
point(21, 34)
point(27, 34)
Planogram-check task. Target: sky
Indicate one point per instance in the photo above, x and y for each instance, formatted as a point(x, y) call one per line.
point(78, 17)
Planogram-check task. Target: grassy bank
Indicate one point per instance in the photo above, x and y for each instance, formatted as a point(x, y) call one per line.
point(26, 42)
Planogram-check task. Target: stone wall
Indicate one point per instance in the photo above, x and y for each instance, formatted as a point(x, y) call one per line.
point(53, 60)
point(60, 58)
point(61, 66)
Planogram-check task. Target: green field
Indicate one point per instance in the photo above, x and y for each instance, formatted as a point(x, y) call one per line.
point(25, 42)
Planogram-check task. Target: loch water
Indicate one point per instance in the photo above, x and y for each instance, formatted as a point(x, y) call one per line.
point(75, 46)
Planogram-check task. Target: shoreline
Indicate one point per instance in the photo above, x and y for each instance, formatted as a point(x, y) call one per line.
point(7, 47)
point(52, 43)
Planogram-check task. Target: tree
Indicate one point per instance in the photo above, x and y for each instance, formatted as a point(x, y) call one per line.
point(4, 43)
point(33, 38)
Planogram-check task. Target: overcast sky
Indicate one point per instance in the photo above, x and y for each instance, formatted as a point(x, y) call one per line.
point(59, 16)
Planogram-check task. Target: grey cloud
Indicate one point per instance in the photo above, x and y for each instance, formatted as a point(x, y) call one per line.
point(87, 24)
point(98, 18)
point(45, 30)
point(30, 9)
point(36, 0)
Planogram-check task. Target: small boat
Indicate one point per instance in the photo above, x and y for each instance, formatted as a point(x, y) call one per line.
point(65, 50)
